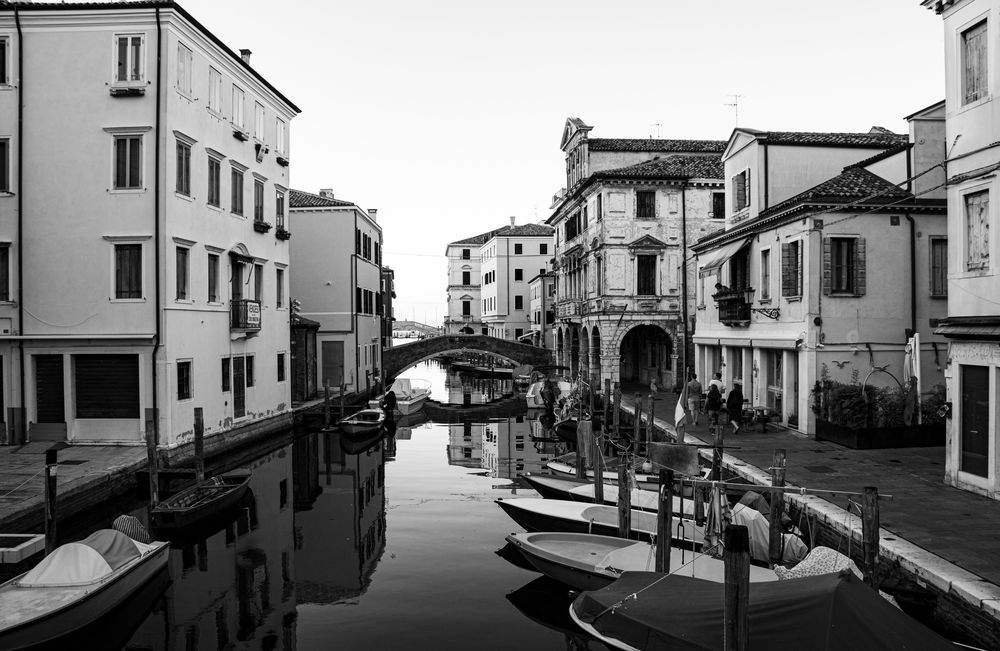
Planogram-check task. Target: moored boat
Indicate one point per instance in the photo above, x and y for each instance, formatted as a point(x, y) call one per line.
point(410, 396)
point(362, 422)
point(201, 502)
point(583, 491)
point(74, 585)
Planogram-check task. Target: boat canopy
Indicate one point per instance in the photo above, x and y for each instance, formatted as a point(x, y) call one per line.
point(405, 388)
point(86, 561)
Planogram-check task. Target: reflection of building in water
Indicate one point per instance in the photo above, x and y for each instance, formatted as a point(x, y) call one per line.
point(508, 449)
point(465, 444)
point(234, 586)
point(342, 537)
point(467, 389)
point(305, 461)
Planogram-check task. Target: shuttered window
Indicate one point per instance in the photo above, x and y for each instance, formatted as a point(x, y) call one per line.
point(975, 52)
point(791, 269)
point(741, 190)
point(227, 381)
point(128, 271)
point(844, 266)
point(939, 266)
point(718, 205)
point(977, 229)
point(236, 194)
point(646, 275)
point(183, 169)
point(765, 274)
point(107, 386)
point(645, 204)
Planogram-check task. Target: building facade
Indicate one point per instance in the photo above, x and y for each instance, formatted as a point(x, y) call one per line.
point(151, 279)
point(338, 281)
point(622, 226)
point(831, 281)
point(508, 259)
point(464, 287)
point(542, 290)
point(972, 75)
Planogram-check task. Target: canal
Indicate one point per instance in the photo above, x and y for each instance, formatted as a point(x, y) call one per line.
point(386, 543)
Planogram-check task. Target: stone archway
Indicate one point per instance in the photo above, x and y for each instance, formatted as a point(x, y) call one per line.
point(560, 351)
point(595, 353)
point(646, 355)
point(466, 331)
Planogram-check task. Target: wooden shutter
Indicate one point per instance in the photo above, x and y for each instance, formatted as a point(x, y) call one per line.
point(741, 192)
point(787, 275)
point(860, 275)
point(746, 182)
point(827, 265)
point(799, 274)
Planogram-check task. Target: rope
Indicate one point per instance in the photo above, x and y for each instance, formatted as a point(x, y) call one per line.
point(21, 484)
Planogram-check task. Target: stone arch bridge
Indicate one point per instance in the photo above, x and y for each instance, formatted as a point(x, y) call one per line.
point(398, 358)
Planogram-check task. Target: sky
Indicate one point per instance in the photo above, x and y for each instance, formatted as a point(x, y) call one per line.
point(446, 115)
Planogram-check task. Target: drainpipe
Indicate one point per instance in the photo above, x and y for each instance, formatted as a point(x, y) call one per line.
point(22, 420)
point(766, 193)
point(156, 227)
point(684, 286)
point(354, 308)
point(913, 273)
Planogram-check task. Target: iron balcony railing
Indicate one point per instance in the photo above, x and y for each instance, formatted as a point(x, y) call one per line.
point(734, 306)
point(244, 314)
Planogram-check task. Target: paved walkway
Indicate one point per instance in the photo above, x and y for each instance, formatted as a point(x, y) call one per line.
point(946, 536)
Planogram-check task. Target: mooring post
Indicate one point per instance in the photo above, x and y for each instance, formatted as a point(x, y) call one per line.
point(736, 634)
point(199, 444)
point(652, 420)
point(698, 495)
point(606, 404)
point(636, 419)
point(717, 454)
point(51, 470)
point(869, 532)
point(581, 450)
point(343, 390)
point(624, 498)
point(152, 463)
point(665, 519)
point(777, 506)
point(326, 403)
point(617, 415)
point(598, 463)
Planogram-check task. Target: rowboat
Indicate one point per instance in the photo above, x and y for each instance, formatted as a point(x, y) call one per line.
point(533, 396)
point(202, 501)
point(362, 422)
point(583, 491)
point(590, 562)
point(410, 396)
point(76, 584)
point(579, 517)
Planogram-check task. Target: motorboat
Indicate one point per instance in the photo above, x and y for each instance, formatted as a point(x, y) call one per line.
point(410, 395)
point(74, 585)
point(362, 422)
point(590, 562)
point(201, 502)
point(533, 396)
point(583, 491)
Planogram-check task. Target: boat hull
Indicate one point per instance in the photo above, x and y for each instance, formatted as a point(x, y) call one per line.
point(168, 517)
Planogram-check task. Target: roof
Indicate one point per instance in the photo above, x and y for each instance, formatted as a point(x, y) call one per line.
point(877, 137)
point(149, 4)
point(674, 166)
point(653, 144)
point(300, 199)
point(882, 155)
point(521, 230)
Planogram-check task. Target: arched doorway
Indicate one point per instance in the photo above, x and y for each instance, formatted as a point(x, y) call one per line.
point(560, 351)
point(467, 331)
point(574, 351)
point(646, 355)
point(595, 354)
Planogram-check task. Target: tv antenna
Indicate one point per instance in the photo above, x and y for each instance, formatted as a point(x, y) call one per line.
point(736, 107)
point(659, 130)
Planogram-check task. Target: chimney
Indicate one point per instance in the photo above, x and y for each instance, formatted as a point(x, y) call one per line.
point(512, 220)
point(245, 55)
point(373, 212)
point(326, 193)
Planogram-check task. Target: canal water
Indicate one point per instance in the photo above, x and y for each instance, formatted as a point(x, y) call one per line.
point(385, 543)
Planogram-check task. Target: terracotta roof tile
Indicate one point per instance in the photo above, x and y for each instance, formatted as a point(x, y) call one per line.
point(876, 138)
point(676, 166)
point(522, 230)
point(853, 184)
point(300, 199)
point(650, 144)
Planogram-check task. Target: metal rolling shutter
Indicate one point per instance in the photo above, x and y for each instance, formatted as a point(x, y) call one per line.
point(106, 386)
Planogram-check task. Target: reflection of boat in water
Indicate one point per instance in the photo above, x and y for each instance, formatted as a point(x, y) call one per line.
point(362, 422)
point(547, 602)
point(205, 500)
point(359, 444)
point(472, 368)
point(410, 395)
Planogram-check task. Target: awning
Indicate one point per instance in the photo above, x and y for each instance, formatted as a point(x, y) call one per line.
point(712, 260)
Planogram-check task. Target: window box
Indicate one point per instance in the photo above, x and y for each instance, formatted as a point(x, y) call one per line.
point(239, 134)
point(261, 226)
point(282, 234)
point(281, 160)
point(128, 91)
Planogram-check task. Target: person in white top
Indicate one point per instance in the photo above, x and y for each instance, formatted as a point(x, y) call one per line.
point(717, 381)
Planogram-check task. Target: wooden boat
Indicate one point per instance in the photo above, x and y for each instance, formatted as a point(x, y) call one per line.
point(583, 491)
point(533, 396)
point(565, 466)
point(362, 422)
point(590, 562)
point(202, 501)
point(579, 517)
point(76, 584)
point(822, 613)
point(410, 396)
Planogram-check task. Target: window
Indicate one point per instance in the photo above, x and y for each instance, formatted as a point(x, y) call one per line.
point(791, 269)
point(237, 192)
point(975, 84)
point(281, 136)
point(645, 204)
point(258, 200)
point(4, 76)
point(258, 121)
point(281, 367)
point(128, 58)
point(249, 363)
point(518, 249)
point(183, 168)
point(518, 302)
point(128, 271)
point(599, 209)
point(182, 273)
point(214, 182)
point(466, 308)
point(741, 190)
point(357, 241)
point(645, 275)
point(184, 59)
point(466, 254)
point(518, 332)
point(258, 282)
point(279, 288)
point(765, 274)
point(543, 249)
point(279, 209)
point(184, 380)
point(238, 101)
point(227, 382)
point(518, 274)
point(128, 162)
point(213, 278)
point(466, 277)
point(718, 205)
point(977, 229)
point(214, 90)
point(939, 266)
point(4, 273)
point(4, 164)
point(844, 266)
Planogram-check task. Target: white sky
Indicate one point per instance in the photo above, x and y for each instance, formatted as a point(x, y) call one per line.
point(446, 115)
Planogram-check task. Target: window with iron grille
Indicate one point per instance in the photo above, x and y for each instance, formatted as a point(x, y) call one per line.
point(227, 382)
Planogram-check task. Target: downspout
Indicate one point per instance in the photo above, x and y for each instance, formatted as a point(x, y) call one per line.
point(684, 287)
point(22, 420)
point(766, 193)
point(913, 273)
point(156, 228)
point(354, 308)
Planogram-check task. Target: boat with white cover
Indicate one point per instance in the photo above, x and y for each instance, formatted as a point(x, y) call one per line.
point(410, 395)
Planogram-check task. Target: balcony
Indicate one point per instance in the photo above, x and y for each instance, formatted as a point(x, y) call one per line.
point(244, 315)
point(568, 310)
point(734, 306)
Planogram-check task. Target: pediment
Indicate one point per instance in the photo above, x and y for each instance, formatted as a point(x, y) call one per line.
point(573, 127)
point(647, 242)
point(739, 139)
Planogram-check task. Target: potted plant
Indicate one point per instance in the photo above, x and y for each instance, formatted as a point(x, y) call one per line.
point(261, 226)
point(281, 233)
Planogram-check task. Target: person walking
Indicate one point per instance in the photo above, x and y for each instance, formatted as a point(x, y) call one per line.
point(713, 405)
point(717, 381)
point(694, 397)
point(734, 405)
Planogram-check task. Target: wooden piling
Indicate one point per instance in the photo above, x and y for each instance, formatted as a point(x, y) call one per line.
point(636, 419)
point(617, 413)
point(199, 444)
point(581, 450)
point(624, 498)
point(152, 462)
point(736, 633)
point(650, 421)
point(870, 535)
point(598, 463)
point(343, 390)
point(665, 519)
point(606, 404)
point(326, 403)
point(51, 472)
point(777, 506)
point(717, 453)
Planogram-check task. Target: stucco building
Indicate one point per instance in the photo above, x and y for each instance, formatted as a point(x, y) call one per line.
point(972, 76)
point(831, 259)
point(542, 307)
point(629, 210)
point(150, 279)
point(464, 287)
point(508, 259)
point(338, 280)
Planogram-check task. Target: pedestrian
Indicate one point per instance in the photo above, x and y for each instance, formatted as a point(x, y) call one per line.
point(717, 381)
point(734, 405)
point(389, 403)
point(652, 386)
point(694, 397)
point(713, 405)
